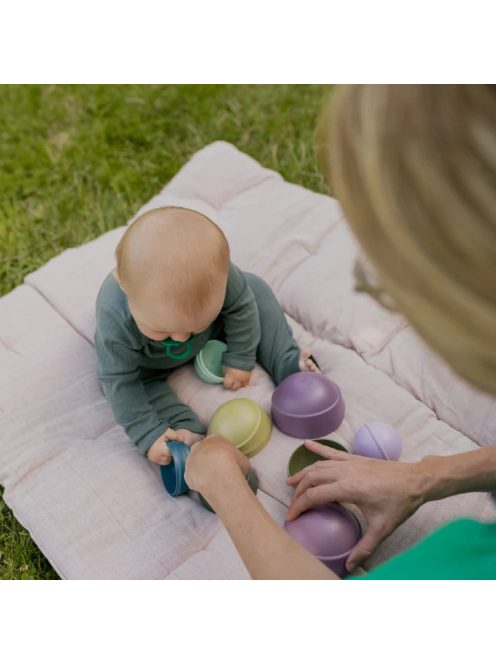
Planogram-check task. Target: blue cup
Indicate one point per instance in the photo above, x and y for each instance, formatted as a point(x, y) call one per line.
point(173, 474)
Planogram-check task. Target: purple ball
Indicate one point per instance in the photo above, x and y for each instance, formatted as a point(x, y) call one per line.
point(378, 440)
point(329, 532)
point(307, 405)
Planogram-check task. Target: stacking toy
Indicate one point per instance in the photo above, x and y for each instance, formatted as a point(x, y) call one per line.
point(303, 457)
point(307, 405)
point(252, 480)
point(329, 532)
point(173, 473)
point(244, 424)
point(378, 440)
point(208, 362)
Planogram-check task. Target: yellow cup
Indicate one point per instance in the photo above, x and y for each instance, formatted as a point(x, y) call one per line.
point(243, 423)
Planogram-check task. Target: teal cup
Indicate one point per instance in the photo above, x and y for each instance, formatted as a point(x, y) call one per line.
point(208, 362)
point(173, 473)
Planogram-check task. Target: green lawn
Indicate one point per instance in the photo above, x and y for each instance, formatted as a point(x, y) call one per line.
point(76, 161)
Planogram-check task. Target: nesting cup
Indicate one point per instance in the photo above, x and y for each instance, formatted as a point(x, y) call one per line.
point(208, 362)
point(378, 440)
point(307, 405)
point(173, 473)
point(329, 532)
point(243, 423)
point(303, 457)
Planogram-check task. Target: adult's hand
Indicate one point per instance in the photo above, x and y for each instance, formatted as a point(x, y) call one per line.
point(387, 492)
point(217, 470)
point(210, 460)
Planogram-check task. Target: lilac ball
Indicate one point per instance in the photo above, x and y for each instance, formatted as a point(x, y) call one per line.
point(307, 405)
point(329, 532)
point(378, 440)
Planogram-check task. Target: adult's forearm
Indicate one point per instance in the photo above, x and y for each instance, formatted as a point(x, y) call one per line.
point(264, 546)
point(459, 473)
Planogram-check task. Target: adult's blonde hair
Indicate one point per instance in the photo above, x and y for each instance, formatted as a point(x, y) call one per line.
point(414, 167)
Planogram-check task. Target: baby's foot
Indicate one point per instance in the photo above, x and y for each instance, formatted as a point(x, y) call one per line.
point(307, 362)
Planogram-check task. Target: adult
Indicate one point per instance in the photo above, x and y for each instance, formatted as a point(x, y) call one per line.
point(414, 168)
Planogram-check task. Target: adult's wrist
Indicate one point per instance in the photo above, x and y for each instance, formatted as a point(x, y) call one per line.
point(444, 476)
point(434, 478)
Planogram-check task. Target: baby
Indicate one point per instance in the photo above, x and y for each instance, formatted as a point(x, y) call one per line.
point(175, 288)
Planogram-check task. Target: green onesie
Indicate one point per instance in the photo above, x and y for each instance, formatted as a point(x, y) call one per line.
point(132, 368)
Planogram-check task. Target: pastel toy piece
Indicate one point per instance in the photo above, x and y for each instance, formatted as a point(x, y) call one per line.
point(329, 532)
point(177, 350)
point(208, 362)
point(303, 457)
point(244, 424)
point(252, 480)
point(307, 405)
point(378, 440)
point(173, 473)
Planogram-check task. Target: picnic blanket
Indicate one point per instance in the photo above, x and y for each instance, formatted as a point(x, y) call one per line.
point(94, 506)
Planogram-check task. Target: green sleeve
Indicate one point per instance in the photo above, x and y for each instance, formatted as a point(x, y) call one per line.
point(119, 374)
point(241, 322)
point(462, 549)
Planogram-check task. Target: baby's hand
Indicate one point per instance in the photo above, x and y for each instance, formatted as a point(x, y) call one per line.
point(235, 378)
point(159, 451)
point(188, 437)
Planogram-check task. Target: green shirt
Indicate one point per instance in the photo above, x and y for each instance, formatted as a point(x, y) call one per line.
point(462, 549)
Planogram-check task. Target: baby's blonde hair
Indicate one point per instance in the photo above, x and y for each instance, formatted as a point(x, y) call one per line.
point(414, 167)
point(173, 252)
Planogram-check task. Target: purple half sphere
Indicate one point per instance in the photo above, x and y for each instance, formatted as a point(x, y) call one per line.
point(329, 532)
point(378, 440)
point(307, 405)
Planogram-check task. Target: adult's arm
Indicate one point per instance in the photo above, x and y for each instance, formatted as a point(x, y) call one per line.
point(217, 470)
point(387, 492)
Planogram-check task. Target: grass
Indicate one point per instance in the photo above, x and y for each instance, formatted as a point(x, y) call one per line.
point(77, 161)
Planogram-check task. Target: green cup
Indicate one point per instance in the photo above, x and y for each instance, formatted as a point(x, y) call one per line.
point(302, 457)
point(208, 362)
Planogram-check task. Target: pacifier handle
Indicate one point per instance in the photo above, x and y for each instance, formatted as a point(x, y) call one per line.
point(169, 345)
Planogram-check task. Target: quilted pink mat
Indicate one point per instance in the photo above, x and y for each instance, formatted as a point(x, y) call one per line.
point(93, 505)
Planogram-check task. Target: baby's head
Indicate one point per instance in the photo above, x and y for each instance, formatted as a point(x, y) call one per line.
point(173, 263)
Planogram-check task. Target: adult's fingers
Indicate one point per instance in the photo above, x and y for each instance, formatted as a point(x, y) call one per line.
point(327, 452)
point(210, 457)
point(316, 475)
point(297, 477)
point(314, 496)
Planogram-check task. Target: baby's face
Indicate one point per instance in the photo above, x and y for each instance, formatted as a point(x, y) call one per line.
point(158, 321)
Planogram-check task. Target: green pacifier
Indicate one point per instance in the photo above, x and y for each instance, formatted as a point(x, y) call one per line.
point(169, 349)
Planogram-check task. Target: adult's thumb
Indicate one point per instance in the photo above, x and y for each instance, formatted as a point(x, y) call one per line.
point(364, 548)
